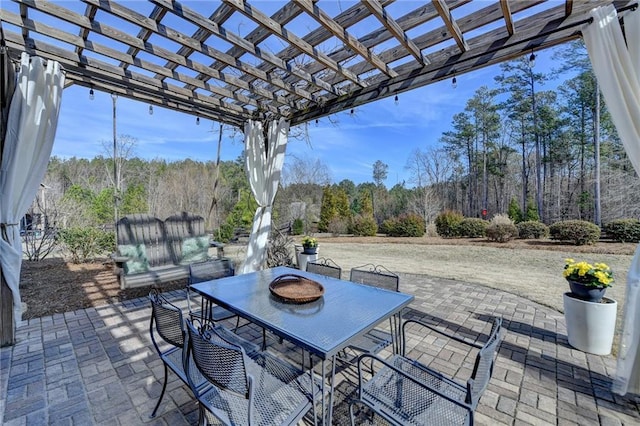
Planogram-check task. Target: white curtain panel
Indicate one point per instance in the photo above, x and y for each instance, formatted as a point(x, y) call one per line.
point(617, 67)
point(31, 128)
point(263, 163)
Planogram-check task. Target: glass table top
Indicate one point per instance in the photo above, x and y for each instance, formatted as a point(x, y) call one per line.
point(322, 327)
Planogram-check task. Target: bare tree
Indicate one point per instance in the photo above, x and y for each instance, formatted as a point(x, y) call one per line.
point(430, 170)
point(304, 170)
point(40, 242)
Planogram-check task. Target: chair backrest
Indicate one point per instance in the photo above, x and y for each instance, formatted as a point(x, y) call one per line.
point(326, 267)
point(222, 363)
point(483, 368)
point(375, 276)
point(210, 270)
point(167, 320)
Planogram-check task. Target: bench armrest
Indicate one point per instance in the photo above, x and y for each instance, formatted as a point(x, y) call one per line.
point(219, 248)
point(119, 259)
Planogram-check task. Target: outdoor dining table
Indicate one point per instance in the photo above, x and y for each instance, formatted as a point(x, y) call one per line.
point(323, 327)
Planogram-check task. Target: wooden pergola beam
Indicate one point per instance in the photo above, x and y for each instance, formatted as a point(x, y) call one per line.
point(471, 22)
point(508, 19)
point(228, 36)
point(350, 41)
point(424, 13)
point(90, 12)
point(115, 34)
point(120, 78)
point(451, 24)
point(494, 47)
point(346, 19)
point(254, 14)
point(395, 29)
point(197, 46)
point(156, 15)
point(568, 7)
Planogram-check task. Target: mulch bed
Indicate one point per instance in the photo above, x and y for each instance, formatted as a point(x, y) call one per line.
point(53, 286)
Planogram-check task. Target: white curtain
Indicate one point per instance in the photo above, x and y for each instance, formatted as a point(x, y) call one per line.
point(31, 128)
point(617, 67)
point(263, 163)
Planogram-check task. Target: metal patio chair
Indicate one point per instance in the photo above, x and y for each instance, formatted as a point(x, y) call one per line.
point(376, 276)
point(206, 271)
point(405, 392)
point(168, 336)
point(325, 266)
point(245, 388)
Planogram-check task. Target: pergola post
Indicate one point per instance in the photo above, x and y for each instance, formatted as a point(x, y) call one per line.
point(7, 330)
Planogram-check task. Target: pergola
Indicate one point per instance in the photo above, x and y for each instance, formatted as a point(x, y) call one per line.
point(366, 52)
point(238, 62)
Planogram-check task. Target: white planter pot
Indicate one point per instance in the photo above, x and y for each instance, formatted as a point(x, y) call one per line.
point(304, 258)
point(590, 326)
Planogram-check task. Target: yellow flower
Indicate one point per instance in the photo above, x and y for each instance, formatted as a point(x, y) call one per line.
point(308, 241)
point(596, 275)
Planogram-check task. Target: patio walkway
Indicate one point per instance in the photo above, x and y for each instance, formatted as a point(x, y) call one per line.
point(97, 366)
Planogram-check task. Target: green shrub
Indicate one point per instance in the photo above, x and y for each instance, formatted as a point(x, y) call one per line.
point(623, 230)
point(580, 232)
point(85, 244)
point(531, 215)
point(388, 226)
point(406, 225)
point(514, 212)
point(298, 227)
point(501, 229)
point(532, 229)
point(364, 226)
point(448, 223)
point(224, 233)
point(473, 227)
point(107, 242)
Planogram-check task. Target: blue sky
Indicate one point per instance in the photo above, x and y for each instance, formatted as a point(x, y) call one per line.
point(377, 131)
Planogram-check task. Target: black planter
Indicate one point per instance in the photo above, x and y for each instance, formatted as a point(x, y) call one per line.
point(309, 250)
point(588, 293)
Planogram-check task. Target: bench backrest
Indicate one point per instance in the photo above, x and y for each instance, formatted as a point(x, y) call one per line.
point(186, 238)
point(147, 233)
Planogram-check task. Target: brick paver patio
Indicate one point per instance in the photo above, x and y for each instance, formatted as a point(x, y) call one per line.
point(97, 366)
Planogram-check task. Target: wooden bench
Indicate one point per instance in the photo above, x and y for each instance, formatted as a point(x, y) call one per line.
point(152, 251)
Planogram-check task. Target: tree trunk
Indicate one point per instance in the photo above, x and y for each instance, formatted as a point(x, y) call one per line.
point(597, 218)
point(538, 154)
point(524, 169)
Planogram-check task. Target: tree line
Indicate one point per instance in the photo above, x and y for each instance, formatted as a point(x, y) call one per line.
point(551, 152)
point(545, 155)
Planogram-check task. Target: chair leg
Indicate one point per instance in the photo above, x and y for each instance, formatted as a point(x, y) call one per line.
point(202, 419)
point(351, 415)
point(264, 339)
point(164, 387)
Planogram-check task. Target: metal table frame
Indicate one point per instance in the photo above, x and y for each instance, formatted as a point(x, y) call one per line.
point(323, 327)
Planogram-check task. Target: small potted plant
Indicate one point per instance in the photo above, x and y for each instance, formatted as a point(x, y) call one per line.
point(590, 317)
point(309, 245)
point(588, 282)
